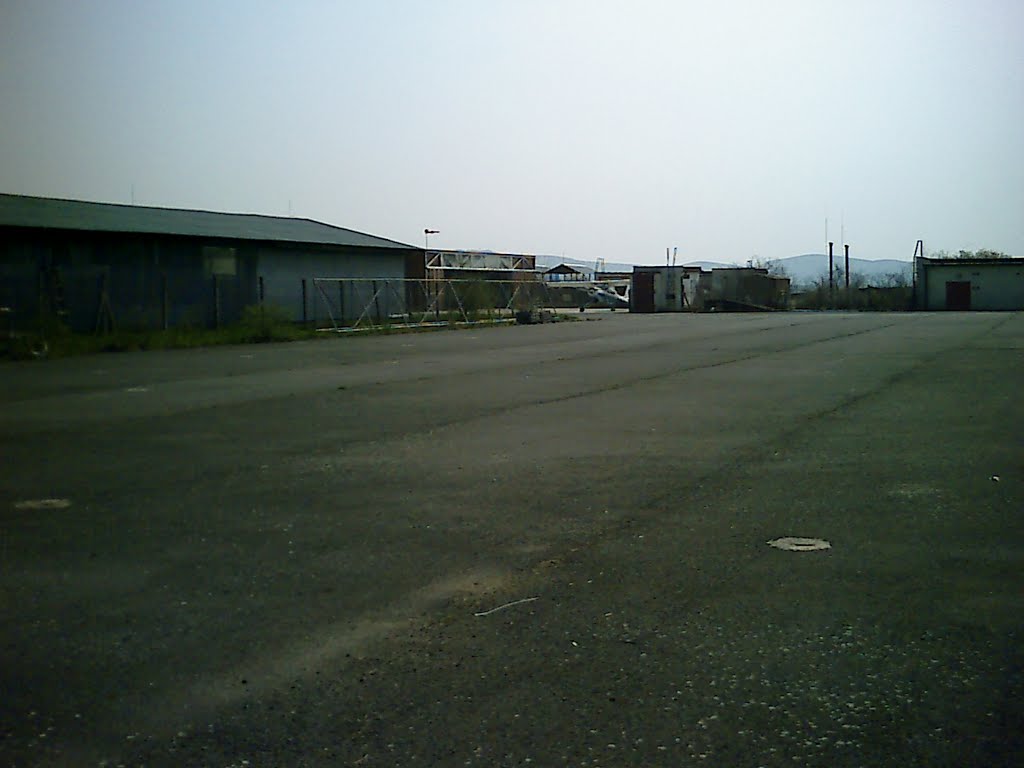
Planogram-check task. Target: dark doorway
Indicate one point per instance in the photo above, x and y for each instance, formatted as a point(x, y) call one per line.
point(958, 295)
point(641, 297)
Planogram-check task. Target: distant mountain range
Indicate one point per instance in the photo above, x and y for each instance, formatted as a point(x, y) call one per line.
point(802, 270)
point(805, 269)
point(547, 262)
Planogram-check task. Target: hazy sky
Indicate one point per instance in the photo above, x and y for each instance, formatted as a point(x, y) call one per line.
point(593, 129)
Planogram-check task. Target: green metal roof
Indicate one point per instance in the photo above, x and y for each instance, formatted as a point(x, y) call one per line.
point(50, 213)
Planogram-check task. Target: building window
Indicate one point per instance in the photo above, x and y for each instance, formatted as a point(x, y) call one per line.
point(220, 261)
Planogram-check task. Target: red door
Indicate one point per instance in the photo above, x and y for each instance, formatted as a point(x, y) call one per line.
point(958, 295)
point(641, 294)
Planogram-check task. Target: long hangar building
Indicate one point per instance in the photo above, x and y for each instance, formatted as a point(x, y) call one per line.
point(145, 267)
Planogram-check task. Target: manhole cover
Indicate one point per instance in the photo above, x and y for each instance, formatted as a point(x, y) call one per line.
point(799, 544)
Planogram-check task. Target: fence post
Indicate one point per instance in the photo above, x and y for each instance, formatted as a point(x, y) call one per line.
point(104, 313)
point(259, 290)
point(305, 314)
point(163, 300)
point(216, 301)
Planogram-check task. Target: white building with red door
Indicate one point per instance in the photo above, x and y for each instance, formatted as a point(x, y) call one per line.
point(969, 284)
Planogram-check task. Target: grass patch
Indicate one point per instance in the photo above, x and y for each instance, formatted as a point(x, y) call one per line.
point(257, 325)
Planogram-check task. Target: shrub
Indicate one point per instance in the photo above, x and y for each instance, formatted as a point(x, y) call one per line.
point(266, 322)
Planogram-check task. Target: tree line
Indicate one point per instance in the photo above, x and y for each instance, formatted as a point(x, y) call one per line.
point(981, 253)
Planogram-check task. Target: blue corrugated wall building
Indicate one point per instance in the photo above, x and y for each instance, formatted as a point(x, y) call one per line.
point(138, 267)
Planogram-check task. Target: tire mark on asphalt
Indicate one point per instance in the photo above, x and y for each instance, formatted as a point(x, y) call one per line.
point(505, 409)
point(263, 673)
point(612, 343)
point(92, 400)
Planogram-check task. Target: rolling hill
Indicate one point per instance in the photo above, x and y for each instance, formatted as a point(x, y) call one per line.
point(807, 268)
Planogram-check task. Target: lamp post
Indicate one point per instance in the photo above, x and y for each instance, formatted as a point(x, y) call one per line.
point(430, 287)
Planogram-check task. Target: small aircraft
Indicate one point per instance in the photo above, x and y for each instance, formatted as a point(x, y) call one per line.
point(604, 296)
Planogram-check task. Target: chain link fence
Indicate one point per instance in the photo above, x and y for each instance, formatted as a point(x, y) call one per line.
point(99, 300)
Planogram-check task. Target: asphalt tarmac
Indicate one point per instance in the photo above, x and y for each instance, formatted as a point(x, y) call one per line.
point(536, 545)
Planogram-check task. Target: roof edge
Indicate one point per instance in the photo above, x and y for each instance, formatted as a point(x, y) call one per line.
point(1012, 260)
point(133, 206)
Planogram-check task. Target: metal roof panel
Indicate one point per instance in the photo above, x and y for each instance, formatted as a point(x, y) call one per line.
point(52, 213)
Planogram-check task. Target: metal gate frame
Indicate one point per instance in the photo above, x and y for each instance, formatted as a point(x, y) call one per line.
point(442, 301)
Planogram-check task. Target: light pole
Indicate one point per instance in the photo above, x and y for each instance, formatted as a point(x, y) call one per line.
point(426, 237)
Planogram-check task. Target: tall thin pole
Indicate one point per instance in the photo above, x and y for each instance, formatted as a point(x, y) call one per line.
point(831, 276)
point(846, 248)
point(918, 248)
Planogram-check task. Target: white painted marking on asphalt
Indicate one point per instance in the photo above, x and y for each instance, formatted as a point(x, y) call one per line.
point(136, 389)
point(799, 544)
point(43, 504)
